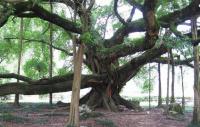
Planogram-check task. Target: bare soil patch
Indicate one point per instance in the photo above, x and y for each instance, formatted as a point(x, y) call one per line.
point(44, 116)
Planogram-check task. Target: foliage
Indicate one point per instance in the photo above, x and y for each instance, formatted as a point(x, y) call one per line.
point(2, 81)
point(87, 38)
point(35, 68)
point(142, 79)
point(145, 87)
point(62, 71)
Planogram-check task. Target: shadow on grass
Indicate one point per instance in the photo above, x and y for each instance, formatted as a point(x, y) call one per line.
point(105, 122)
point(25, 107)
point(193, 125)
point(7, 117)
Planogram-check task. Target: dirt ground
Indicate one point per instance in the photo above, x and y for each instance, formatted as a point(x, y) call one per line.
point(57, 117)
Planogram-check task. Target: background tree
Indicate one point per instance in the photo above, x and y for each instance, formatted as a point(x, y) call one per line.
point(168, 75)
point(50, 54)
point(159, 86)
point(16, 103)
point(172, 100)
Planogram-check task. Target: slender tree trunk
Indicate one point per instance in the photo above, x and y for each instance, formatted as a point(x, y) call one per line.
point(183, 94)
point(172, 100)
point(168, 74)
point(74, 107)
point(50, 55)
point(159, 87)
point(196, 110)
point(16, 103)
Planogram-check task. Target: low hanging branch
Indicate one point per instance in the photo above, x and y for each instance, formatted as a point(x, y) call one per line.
point(16, 76)
point(54, 85)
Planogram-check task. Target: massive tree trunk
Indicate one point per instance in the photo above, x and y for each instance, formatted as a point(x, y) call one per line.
point(172, 100)
point(196, 110)
point(16, 102)
point(159, 87)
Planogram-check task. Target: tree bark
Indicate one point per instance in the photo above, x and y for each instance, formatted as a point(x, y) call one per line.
point(196, 110)
point(172, 100)
point(16, 102)
point(74, 106)
point(159, 87)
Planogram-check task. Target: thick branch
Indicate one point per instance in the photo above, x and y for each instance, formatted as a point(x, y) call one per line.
point(115, 52)
point(56, 84)
point(127, 69)
point(175, 17)
point(46, 15)
point(117, 14)
point(16, 76)
point(180, 16)
point(177, 62)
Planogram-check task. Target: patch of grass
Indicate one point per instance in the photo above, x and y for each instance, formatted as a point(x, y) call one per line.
point(70, 126)
point(40, 121)
point(193, 125)
point(12, 118)
point(105, 122)
point(87, 115)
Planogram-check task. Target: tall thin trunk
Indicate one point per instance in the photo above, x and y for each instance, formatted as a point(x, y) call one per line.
point(16, 103)
point(196, 110)
point(77, 61)
point(74, 107)
point(159, 87)
point(172, 100)
point(183, 94)
point(50, 55)
point(149, 86)
point(168, 74)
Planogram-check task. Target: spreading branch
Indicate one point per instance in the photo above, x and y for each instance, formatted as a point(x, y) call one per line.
point(16, 76)
point(117, 14)
point(53, 85)
point(177, 62)
point(42, 13)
